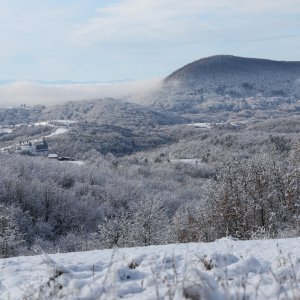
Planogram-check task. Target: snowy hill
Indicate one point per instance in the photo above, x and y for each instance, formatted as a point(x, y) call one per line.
point(235, 84)
point(225, 269)
point(112, 112)
point(105, 125)
point(226, 68)
point(102, 111)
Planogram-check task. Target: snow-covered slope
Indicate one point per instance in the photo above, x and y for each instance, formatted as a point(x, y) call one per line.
point(225, 269)
point(228, 69)
point(229, 83)
point(112, 112)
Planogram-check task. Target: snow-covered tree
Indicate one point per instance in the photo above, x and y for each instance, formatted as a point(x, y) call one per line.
point(11, 239)
point(149, 222)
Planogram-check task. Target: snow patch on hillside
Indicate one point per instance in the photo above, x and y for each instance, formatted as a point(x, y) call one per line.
point(42, 123)
point(201, 125)
point(225, 269)
point(6, 130)
point(193, 161)
point(60, 130)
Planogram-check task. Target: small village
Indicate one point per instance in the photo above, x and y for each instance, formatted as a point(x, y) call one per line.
point(39, 148)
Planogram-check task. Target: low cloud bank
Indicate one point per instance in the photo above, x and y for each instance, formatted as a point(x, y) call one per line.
point(32, 93)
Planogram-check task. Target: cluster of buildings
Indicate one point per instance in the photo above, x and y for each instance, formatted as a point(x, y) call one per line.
point(34, 148)
point(40, 148)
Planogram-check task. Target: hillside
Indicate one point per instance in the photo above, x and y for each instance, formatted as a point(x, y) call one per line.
point(105, 125)
point(225, 269)
point(111, 112)
point(224, 83)
point(101, 111)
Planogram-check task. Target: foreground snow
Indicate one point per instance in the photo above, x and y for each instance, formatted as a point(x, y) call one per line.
point(225, 269)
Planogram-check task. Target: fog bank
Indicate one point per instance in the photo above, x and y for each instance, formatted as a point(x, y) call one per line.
point(32, 92)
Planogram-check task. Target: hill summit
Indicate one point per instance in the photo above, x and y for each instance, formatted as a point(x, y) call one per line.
point(215, 67)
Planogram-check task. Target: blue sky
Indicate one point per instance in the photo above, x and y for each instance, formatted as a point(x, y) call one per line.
point(138, 39)
point(89, 40)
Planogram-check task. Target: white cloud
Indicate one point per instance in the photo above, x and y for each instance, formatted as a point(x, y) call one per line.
point(85, 40)
point(171, 20)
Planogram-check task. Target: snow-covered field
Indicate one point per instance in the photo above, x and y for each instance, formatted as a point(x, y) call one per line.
point(225, 269)
point(43, 123)
point(193, 161)
point(207, 125)
point(61, 126)
point(201, 125)
point(6, 130)
point(51, 123)
point(59, 130)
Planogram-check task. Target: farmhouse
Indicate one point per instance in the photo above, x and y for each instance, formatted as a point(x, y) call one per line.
point(36, 148)
point(41, 147)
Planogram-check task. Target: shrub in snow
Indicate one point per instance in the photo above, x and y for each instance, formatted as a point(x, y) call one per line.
point(113, 232)
point(43, 246)
point(150, 224)
point(70, 243)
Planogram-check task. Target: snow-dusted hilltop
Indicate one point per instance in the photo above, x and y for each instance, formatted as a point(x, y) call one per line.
point(227, 68)
point(230, 83)
point(225, 269)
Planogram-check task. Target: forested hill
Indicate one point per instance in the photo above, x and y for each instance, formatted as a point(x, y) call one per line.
point(104, 125)
point(228, 67)
point(101, 111)
point(112, 112)
point(234, 84)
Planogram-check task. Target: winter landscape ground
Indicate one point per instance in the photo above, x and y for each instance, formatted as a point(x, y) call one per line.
point(224, 269)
